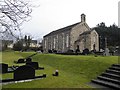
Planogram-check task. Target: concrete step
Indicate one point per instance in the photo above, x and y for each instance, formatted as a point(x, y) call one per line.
point(113, 71)
point(109, 79)
point(112, 76)
point(106, 83)
point(116, 65)
point(115, 68)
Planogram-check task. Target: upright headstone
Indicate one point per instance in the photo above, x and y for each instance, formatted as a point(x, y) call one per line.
point(24, 72)
point(3, 68)
point(33, 64)
point(107, 52)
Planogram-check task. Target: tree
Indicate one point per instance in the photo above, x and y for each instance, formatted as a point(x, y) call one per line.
point(27, 41)
point(18, 46)
point(12, 14)
point(111, 33)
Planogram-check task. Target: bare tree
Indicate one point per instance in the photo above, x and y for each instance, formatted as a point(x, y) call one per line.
point(12, 14)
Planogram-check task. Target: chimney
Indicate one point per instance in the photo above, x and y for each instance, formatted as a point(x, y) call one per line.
point(83, 18)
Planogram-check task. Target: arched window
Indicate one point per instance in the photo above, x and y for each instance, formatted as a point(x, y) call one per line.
point(63, 42)
point(94, 39)
point(45, 43)
point(67, 41)
point(54, 43)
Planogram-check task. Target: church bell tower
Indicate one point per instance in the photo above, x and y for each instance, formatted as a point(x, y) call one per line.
point(83, 18)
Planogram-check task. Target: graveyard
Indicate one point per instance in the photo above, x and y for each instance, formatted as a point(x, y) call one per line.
point(75, 71)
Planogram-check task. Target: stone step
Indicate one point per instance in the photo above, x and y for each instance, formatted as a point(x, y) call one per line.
point(112, 76)
point(106, 83)
point(116, 65)
point(115, 68)
point(113, 71)
point(109, 79)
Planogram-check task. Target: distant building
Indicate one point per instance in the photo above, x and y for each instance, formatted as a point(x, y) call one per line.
point(33, 43)
point(10, 43)
point(77, 36)
point(7, 43)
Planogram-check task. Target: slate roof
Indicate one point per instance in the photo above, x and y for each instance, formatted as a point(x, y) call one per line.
point(34, 41)
point(8, 41)
point(62, 29)
point(86, 32)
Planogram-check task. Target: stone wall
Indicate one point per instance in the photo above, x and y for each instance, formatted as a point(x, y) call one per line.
point(75, 32)
point(57, 42)
point(94, 40)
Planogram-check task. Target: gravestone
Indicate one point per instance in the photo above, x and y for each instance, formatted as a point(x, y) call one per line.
point(24, 72)
point(20, 60)
point(56, 73)
point(107, 52)
point(28, 59)
point(33, 64)
point(3, 68)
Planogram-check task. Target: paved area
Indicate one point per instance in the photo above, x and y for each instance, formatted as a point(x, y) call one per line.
point(100, 87)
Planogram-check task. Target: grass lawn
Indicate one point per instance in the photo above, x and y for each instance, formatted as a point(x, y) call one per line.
point(75, 71)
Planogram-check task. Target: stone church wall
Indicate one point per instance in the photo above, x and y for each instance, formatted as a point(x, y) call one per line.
point(75, 32)
point(94, 40)
point(57, 42)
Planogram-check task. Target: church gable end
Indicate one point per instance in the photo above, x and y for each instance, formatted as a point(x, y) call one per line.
point(76, 31)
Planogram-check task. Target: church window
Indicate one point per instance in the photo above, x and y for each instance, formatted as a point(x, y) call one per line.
point(94, 39)
point(67, 41)
point(45, 43)
point(54, 42)
point(51, 46)
point(63, 43)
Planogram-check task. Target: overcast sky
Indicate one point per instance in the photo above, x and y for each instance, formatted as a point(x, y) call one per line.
point(55, 14)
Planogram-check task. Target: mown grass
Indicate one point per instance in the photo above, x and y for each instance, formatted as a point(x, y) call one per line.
point(75, 71)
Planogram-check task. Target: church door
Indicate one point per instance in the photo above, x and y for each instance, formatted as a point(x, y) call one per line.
point(77, 49)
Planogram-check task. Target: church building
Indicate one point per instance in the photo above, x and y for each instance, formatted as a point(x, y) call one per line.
point(77, 36)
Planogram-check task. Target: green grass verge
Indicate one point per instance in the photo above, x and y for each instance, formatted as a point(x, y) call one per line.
point(75, 71)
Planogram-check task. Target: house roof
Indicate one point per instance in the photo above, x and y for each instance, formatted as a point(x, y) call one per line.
point(86, 32)
point(62, 29)
point(7, 41)
point(34, 41)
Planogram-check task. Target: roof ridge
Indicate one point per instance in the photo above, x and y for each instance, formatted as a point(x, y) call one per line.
point(62, 29)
